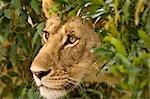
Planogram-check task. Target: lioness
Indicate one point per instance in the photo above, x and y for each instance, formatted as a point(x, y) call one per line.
point(65, 59)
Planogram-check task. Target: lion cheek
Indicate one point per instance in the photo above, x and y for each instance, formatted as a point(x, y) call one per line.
point(79, 70)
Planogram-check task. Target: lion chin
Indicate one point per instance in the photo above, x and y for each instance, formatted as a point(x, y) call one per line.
point(51, 93)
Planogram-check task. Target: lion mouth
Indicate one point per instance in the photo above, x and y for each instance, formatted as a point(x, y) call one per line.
point(67, 87)
point(43, 86)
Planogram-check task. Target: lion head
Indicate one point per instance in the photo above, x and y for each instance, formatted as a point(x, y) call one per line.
point(65, 59)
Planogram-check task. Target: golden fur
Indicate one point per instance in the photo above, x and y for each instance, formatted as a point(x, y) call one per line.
point(63, 66)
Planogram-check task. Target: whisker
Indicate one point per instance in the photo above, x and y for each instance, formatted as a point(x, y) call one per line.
point(70, 85)
point(66, 86)
point(81, 88)
point(72, 80)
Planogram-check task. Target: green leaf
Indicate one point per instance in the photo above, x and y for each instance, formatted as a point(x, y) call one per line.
point(145, 15)
point(114, 70)
point(35, 6)
point(117, 44)
point(25, 47)
point(12, 53)
point(126, 11)
point(23, 92)
point(37, 46)
point(74, 11)
point(99, 2)
point(16, 4)
point(124, 85)
point(54, 8)
point(148, 22)
point(38, 32)
point(1, 19)
point(93, 91)
point(62, 1)
point(24, 44)
point(144, 83)
point(13, 74)
point(122, 69)
point(6, 80)
point(130, 68)
point(145, 38)
point(32, 94)
point(103, 52)
point(8, 13)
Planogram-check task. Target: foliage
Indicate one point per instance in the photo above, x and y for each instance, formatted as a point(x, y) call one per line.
point(124, 28)
point(20, 40)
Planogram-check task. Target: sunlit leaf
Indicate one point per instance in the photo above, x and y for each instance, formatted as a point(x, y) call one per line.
point(115, 70)
point(30, 21)
point(128, 65)
point(126, 11)
point(24, 92)
point(144, 83)
point(139, 8)
point(54, 8)
point(122, 69)
point(146, 18)
point(117, 44)
point(145, 37)
point(117, 17)
point(98, 1)
point(110, 26)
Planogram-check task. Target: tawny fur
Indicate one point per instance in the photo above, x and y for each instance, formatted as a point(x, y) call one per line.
point(68, 65)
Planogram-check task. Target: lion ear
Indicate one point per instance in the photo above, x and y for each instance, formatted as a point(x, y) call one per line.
point(46, 5)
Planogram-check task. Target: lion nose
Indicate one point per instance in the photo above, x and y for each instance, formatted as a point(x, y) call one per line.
point(41, 74)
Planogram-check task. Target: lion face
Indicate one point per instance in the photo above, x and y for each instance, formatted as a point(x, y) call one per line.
point(65, 59)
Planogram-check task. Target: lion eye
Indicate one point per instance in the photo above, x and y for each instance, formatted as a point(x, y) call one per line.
point(71, 41)
point(45, 36)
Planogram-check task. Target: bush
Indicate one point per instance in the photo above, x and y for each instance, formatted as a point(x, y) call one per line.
point(20, 40)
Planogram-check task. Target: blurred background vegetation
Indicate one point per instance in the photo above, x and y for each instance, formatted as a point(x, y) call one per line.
point(124, 28)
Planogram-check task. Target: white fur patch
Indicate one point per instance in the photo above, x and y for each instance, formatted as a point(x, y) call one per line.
point(51, 94)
